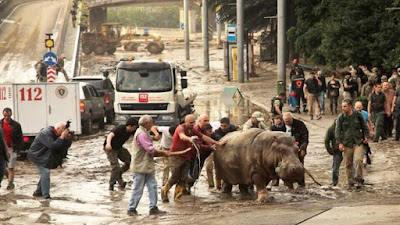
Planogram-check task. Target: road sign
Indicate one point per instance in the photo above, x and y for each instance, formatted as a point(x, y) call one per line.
point(50, 58)
point(51, 74)
point(231, 30)
point(182, 26)
point(146, 31)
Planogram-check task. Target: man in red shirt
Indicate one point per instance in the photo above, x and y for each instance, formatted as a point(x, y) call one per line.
point(13, 137)
point(184, 137)
point(205, 150)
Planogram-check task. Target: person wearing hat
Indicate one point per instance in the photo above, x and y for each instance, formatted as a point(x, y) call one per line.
point(256, 121)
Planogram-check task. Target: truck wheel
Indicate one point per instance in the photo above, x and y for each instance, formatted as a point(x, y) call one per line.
point(87, 49)
point(153, 48)
point(101, 122)
point(110, 117)
point(87, 126)
point(99, 49)
point(111, 50)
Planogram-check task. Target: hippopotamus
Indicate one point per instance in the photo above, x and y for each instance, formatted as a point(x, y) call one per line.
point(256, 156)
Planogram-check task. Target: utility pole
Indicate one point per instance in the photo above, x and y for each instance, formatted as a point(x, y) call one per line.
point(240, 40)
point(281, 77)
point(205, 35)
point(186, 25)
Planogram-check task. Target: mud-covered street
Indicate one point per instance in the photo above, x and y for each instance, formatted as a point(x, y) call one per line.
point(80, 192)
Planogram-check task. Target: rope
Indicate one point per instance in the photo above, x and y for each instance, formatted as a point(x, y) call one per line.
point(195, 182)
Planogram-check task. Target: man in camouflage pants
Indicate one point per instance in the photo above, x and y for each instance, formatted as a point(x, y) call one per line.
point(114, 150)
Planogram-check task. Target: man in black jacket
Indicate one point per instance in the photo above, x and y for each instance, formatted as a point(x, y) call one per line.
point(46, 144)
point(299, 131)
point(13, 136)
point(225, 128)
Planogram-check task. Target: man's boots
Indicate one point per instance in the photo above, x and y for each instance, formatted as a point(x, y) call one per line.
point(164, 192)
point(178, 192)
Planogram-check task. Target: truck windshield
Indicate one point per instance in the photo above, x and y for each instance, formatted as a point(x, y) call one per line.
point(148, 81)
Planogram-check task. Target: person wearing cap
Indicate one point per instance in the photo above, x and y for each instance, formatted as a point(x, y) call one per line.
point(256, 121)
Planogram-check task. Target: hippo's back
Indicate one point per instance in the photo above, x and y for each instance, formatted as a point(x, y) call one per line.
point(234, 159)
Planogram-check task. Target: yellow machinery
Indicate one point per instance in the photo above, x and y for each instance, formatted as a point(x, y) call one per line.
point(102, 41)
point(131, 42)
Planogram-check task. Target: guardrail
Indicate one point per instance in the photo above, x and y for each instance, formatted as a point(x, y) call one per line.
point(77, 56)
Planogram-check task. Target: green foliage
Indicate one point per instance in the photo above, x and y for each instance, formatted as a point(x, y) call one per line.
point(341, 32)
point(164, 17)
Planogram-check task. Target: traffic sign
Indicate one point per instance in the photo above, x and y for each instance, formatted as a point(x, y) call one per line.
point(49, 43)
point(146, 31)
point(231, 30)
point(50, 58)
point(51, 74)
point(182, 26)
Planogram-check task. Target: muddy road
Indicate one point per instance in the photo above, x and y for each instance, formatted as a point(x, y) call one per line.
point(80, 188)
point(22, 36)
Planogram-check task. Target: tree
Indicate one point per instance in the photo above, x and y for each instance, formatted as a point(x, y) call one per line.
point(341, 32)
point(254, 12)
point(165, 17)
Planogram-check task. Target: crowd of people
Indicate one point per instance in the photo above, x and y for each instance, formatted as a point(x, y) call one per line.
point(186, 148)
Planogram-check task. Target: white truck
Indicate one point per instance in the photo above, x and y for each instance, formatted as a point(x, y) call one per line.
point(152, 87)
point(38, 105)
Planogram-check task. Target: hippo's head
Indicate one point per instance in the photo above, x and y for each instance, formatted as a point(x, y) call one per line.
point(288, 168)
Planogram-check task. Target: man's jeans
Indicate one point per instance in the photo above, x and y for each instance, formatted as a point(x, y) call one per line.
point(322, 101)
point(337, 159)
point(139, 180)
point(43, 186)
point(2, 169)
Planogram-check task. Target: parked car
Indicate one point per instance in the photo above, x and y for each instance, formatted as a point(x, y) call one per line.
point(91, 106)
point(105, 88)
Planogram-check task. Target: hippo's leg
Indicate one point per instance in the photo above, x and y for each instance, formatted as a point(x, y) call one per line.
point(289, 185)
point(262, 192)
point(244, 189)
point(226, 187)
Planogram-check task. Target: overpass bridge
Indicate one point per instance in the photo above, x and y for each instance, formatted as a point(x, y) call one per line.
point(98, 9)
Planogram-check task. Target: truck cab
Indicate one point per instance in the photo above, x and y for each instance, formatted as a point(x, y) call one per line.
point(152, 87)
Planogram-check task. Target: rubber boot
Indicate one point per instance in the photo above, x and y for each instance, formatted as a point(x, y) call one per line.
point(164, 192)
point(178, 192)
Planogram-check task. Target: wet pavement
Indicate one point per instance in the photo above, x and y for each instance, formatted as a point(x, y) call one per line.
point(80, 188)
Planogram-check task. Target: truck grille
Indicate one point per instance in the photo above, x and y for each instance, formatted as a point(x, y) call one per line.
point(145, 106)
